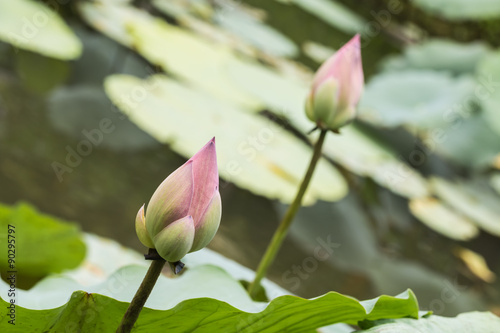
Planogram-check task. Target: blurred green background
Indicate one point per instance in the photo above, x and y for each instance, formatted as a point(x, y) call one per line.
point(407, 196)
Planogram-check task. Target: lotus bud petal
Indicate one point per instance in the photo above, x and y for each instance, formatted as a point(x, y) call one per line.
point(184, 212)
point(174, 241)
point(208, 224)
point(140, 229)
point(171, 200)
point(337, 87)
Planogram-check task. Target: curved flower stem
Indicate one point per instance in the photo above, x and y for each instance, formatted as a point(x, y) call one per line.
point(141, 296)
point(282, 230)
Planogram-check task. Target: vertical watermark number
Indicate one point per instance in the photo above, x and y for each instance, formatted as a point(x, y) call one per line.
point(11, 273)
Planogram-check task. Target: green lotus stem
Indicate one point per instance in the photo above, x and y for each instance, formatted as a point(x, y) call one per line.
point(141, 296)
point(285, 223)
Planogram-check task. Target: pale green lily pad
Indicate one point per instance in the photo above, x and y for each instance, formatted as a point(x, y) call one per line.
point(111, 18)
point(333, 13)
point(415, 98)
point(470, 322)
point(488, 90)
point(257, 33)
point(477, 202)
point(33, 26)
point(461, 9)
point(467, 139)
point(442, 219)
point(252, 152)
point(317, 52)
point(440, 55)
point(364, 156)
point(495, 182)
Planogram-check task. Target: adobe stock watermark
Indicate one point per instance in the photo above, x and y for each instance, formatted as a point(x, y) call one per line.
point(293, 277)
point(381, 20)
point(450, 293)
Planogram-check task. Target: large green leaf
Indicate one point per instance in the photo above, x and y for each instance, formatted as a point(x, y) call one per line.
point(43, 244)
point(93, 312)
point(202, 291)
point(253, 152)
point(471, 322)
point(34, 26)
point(461, 9)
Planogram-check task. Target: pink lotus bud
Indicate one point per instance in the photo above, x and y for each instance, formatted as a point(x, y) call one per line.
point(184, 213)
point(337, 87)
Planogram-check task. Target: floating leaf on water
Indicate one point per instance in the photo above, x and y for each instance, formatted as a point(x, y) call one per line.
point(421, 99)
point(461, 9)
point(442, 219)
point(363, 155)
point(434, 54)
point(495, 182)
point(333, 13)
point(35, 27)
point(317, 52)
point(476, 264)
point(257, 33)
point(471, 322)
point(454, 141)
point(477, 202)
point(488, 91)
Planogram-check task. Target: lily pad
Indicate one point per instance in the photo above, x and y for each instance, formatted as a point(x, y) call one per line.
point(488, 92)
point(461, 9)
point(103, 314)
point(478, 203)
point(333, 13)
point(495, 182)
point(35, 27)
point(253, 152)
point(419, 99)
point(467, 140)
point(442, 219)
point(471, 322)
point(435, 54)
point(257, 33)
point(365, 156)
